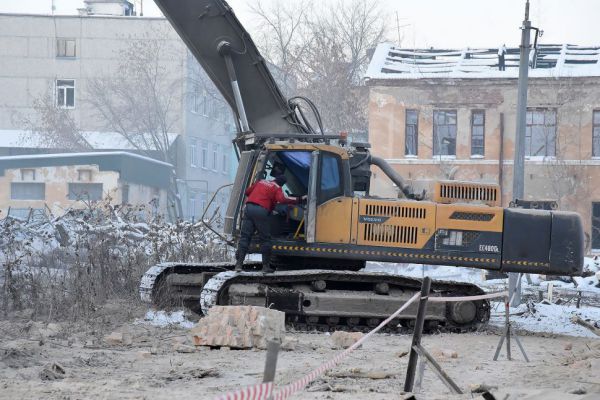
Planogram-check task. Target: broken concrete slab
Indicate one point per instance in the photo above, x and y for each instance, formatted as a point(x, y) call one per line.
point(239, 327)
point(343, 340)
point(118, 339)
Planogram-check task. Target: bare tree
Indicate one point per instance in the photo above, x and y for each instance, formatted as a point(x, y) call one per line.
point(138, 100)
point(53, 126)
point(283, 36)
point(325, 49)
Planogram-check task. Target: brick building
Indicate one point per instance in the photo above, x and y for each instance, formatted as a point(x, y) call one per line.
point(451, 114)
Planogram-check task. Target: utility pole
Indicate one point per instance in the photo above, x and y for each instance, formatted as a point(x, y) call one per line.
point(514, 286)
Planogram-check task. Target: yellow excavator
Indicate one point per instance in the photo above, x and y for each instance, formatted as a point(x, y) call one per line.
point(320, 248)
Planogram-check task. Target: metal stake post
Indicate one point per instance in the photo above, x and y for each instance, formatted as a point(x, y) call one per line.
point(271, 361)
point(416, 340)
point(507, 335)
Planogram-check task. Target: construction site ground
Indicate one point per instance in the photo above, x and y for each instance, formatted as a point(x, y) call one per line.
point(140, 361)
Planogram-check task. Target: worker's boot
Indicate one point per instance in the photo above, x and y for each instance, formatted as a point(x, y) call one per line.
point(239, 263)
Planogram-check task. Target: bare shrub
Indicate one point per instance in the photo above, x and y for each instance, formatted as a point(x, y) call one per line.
point(68, 267)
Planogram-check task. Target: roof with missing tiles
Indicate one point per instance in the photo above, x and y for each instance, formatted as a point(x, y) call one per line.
point(549, 60)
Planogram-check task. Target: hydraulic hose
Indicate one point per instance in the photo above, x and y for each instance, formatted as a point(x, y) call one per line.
point(393, 175)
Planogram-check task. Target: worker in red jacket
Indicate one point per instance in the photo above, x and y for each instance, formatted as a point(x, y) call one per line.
point(263, 196)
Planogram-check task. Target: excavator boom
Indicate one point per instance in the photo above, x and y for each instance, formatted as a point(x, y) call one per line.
point(213, 33)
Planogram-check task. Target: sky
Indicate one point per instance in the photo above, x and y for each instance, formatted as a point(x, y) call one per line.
point(427, 23)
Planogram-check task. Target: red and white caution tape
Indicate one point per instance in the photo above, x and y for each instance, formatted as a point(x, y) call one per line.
point(264, 390)
point(260, 391)
point(288, 390)
point(468, 298)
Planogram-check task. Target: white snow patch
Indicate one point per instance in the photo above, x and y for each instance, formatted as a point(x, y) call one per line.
point(549, 318)
point(164, 319)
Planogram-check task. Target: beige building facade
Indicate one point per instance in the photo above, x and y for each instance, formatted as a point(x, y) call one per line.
point(450, 115)
point(36, 185)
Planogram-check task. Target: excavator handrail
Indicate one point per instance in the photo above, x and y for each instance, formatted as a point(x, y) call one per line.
point(207, 225)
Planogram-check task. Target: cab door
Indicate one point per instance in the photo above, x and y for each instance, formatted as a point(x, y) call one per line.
point(333, 214)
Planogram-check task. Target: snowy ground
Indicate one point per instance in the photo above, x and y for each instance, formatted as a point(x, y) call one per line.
point(538, 317)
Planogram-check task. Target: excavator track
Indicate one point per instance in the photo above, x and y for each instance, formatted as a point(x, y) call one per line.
point(321, 300)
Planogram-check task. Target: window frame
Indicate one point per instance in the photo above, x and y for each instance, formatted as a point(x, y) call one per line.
point(415, 133)
point(29, 184)
point(72, 197)
point(83, 171)
point(193, 152)
point(215, 157)
point(225, 161)
point(435, 148)
point(596, 133)
point(529, 131)
point(595, 237)
point(23, 172)
point(58, 88)
point(325, 197)
point(65, 55)
point(482, 125)
point(192, 204)
point(204, 154)
point(203, 202)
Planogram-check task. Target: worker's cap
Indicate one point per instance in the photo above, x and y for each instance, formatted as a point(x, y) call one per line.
point(280, 180)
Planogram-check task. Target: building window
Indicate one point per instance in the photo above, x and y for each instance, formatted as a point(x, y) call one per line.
point(411, 133)
point(202, 202)
point(444, 133)
point(478, 133)
point(27, 174)
point(225, 166)
point(85, 191)
point(198, 102)
point(204, 159)
point(215, 157)
point(596, 226)
point(65, 48)
point(596, 134)
point(84, 175)
point(192, 205)
point(27, 191)
point(65, 93)
point(540, 133)
point(193, 153)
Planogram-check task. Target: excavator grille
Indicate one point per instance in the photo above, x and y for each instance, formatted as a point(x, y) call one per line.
point(393, 223)
point(464, 192)
point(396, 211)
point(384, 233)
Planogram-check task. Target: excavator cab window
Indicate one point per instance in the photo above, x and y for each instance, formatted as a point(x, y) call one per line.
point(330, 178)
point(294, 165)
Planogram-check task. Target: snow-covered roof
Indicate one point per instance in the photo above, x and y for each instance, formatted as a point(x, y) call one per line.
point(90, 155)
point(98, 140)
point(550, 60)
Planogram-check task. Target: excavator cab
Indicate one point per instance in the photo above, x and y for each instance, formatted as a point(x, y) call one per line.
point(319, 171)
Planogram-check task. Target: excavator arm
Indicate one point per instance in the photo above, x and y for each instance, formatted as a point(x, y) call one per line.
point(225, 50)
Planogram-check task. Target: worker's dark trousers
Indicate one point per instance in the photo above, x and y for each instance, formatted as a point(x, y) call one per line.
point(256, 218)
